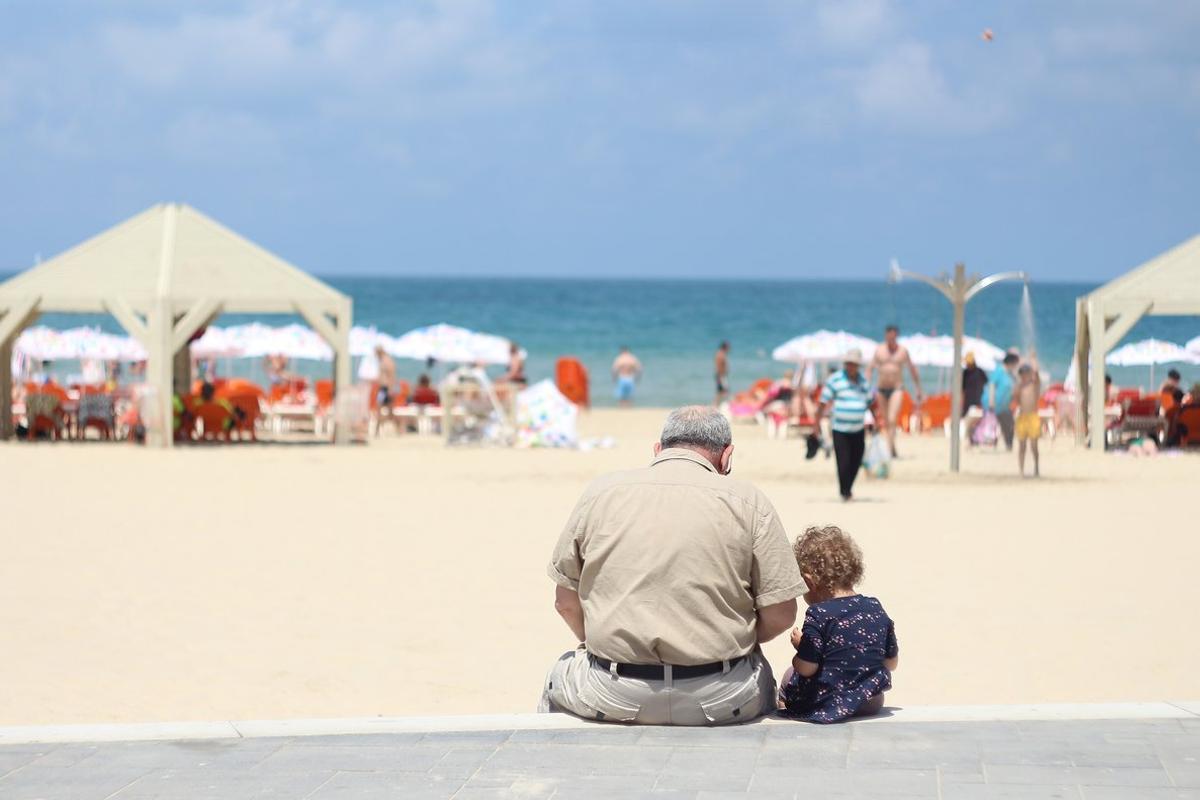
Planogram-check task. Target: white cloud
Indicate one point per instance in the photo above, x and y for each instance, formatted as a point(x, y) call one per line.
point(854, 23)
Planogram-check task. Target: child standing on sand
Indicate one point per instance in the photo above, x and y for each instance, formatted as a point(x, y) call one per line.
point(847, 649)
point(1029, 422)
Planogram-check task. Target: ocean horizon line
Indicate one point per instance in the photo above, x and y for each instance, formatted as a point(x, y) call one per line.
point(665, 279)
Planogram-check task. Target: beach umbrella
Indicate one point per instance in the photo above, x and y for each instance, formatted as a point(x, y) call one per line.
point(85, 344)
point(255, 340)
point(938, 351)
point(216, 343)
point(822, 345)
point(1150, 352)
point(363, 341)
point(450, 343)
point(1193, 347)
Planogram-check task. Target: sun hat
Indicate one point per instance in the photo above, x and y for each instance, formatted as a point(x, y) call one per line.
point(853, 356)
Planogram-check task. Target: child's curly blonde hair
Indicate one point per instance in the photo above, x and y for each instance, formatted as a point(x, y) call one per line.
point(830, 557)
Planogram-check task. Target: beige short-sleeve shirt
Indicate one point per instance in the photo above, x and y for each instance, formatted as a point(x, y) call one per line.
point(672, 561)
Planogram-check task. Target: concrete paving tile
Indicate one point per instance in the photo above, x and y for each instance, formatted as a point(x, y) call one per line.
point(68, 783)
point(805, 754)
point(1121, 776)
point(948, 775)
point(462, 762)
point(593, 734)
point(728, 736)
point(706, 795)
point(1034, 774)
point(218, 784)
point(350, 757)
point(565, 761)
point(466, 738)
point(1143, 793)
point(807, 730)
point(1047, 754)
point(697, 780)
point(863, 782)
point(324, 740)
point(367, 785)
point(979, 791)
point(67, 755)
point(706, 759)
point(604, 786)
point(13, 757)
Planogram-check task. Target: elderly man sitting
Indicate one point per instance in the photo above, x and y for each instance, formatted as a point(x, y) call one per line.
point(671, 576)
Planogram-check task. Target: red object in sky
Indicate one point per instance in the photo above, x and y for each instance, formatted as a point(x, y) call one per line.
point(987, 35)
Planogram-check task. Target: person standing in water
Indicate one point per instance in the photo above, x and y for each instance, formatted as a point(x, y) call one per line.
point(626, 370)
point(889, 362)
point(721, 370)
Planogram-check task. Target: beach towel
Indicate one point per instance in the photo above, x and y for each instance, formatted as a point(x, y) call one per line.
point(545, 417)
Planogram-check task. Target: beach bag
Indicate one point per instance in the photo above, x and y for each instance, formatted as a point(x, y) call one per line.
point(987, 430)
point(878, 459)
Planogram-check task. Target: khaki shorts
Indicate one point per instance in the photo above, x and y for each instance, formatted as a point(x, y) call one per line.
point(578, 686)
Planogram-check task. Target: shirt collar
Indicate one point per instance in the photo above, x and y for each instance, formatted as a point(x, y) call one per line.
point(682, 454)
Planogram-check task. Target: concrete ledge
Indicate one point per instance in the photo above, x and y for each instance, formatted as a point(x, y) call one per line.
point(151, 731)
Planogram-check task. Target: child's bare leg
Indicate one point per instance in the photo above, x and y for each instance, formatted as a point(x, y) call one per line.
point(1021, 458)
point(1033, 446)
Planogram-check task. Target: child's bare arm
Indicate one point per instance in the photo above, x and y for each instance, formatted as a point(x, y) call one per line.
point(892, 663)
point(805, 669)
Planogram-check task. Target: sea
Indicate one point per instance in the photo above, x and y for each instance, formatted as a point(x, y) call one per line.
point(674, 326)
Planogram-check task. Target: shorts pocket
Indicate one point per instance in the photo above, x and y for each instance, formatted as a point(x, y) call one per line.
point(741, 703)
point(600, 694)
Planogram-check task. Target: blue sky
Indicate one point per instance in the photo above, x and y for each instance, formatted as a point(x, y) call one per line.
point(613, 137)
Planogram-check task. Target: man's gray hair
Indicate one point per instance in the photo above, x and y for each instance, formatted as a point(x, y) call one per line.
point(697, 427)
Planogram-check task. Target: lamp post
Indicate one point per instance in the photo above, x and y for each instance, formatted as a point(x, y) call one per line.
point(958, 290)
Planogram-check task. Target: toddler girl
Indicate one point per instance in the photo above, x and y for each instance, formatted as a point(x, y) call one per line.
point(847, 649)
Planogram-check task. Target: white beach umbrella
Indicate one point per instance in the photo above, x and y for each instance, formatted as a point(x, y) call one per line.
point(1193, 347)
point(255, 340)
point(822, 345)
point(938, 351)
point(450, 343)
point(87, 344)
point(216, 343)
point(363, 341)
point(1150, 352)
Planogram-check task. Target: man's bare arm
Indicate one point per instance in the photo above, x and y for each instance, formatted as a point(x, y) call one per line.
point(569, 607)
point(775, 619)
point(916, 376)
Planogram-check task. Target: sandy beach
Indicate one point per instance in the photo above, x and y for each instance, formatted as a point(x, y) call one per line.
point(408, 578)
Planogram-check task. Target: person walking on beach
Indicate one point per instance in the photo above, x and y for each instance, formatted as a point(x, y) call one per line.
point(1000, 385)
point(973, 381)
point(670, 576)
point(721, 370)
point(888, 363)
point(626, 370)
point(846, 397)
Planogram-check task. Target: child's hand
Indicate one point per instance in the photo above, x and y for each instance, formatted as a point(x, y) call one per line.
point(796, 636)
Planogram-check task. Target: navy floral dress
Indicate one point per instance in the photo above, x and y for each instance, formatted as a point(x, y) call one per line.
point(849, 637)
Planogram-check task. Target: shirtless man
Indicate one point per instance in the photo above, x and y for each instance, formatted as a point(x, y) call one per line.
point(890, 359)
point(721, 370)
point(387, 376)
point(626, 369)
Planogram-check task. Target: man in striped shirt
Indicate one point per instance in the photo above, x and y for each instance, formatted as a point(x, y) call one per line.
point(846, 397)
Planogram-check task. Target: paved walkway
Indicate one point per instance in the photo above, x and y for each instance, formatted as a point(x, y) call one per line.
point(1082, 759)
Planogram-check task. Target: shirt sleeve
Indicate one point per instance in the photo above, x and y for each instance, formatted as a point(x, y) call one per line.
point(774, 576)
point(826, 392)
point(812, 645)
point(566, 562)
point(891, 648)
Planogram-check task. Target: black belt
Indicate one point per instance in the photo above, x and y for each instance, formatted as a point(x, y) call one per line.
point(656, 672)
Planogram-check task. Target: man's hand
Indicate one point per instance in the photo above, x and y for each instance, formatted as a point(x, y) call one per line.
point(796, 637)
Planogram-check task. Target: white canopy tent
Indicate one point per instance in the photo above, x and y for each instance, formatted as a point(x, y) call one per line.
point(1167, 285)
point(164, 274)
